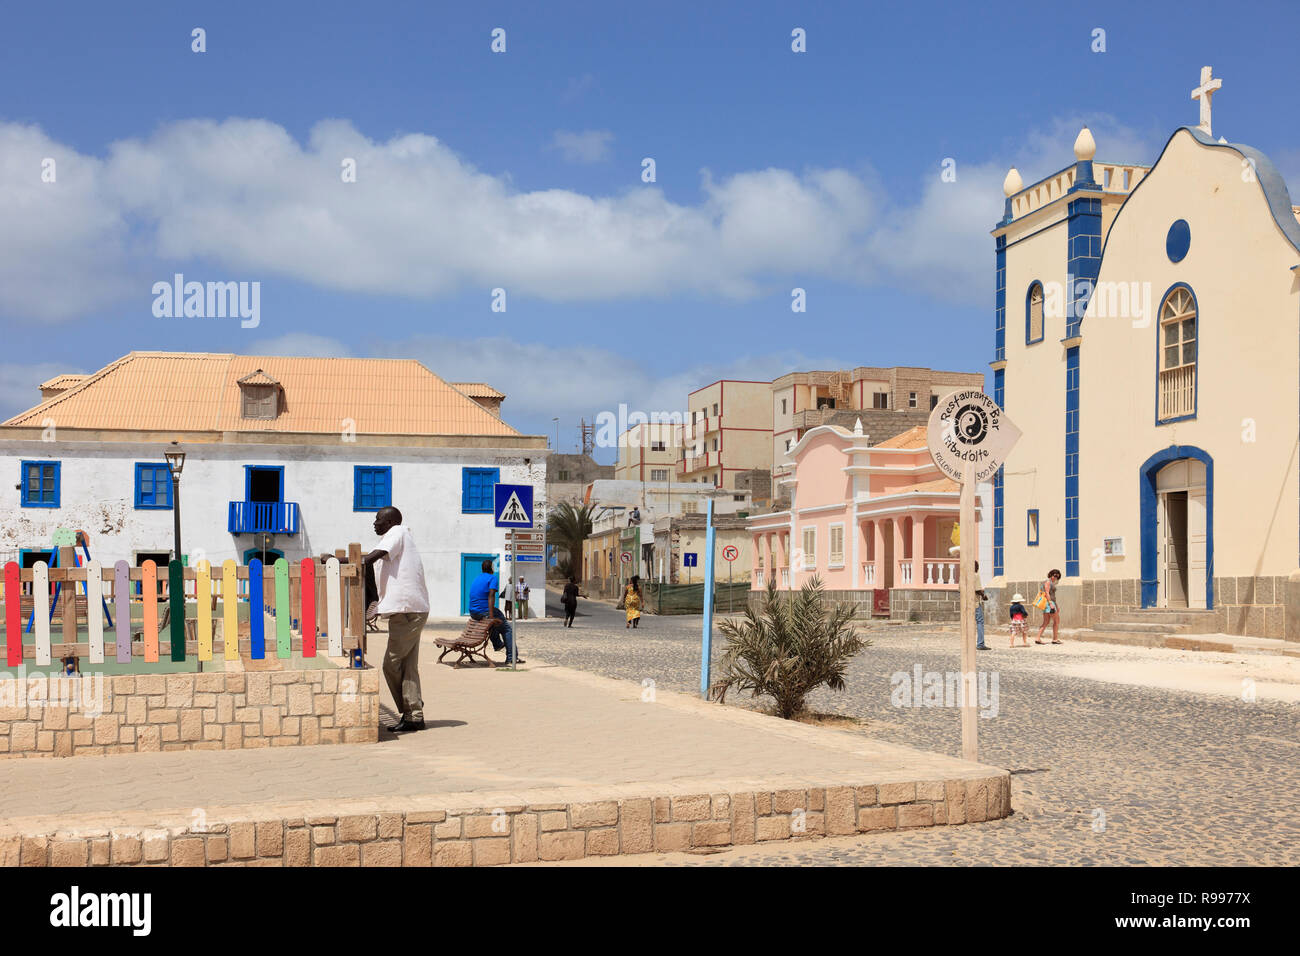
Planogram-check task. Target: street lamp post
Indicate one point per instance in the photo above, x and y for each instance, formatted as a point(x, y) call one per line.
point(175, 462)
point(557, 435)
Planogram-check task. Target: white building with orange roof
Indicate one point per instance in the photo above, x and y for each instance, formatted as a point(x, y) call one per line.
point(873, 522)
point(288, 455)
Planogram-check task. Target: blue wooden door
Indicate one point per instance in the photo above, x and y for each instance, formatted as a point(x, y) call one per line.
point(471, 566)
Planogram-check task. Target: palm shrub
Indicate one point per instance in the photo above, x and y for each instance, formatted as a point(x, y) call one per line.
point(793, 645)
point(567, 527)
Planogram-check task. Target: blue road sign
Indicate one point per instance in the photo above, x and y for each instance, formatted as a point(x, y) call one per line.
point(691, 559)
point(513, 505)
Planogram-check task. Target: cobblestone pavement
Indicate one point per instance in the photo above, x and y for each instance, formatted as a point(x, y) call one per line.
point(1104, 772)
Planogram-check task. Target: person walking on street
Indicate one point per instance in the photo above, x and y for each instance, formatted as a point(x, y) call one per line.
point(570, 601)
point(1051, 613)
point(404, 601)
point(980, 598)
point(632, 601)
point(483, 601)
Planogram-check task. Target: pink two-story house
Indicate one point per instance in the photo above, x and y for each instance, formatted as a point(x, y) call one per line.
point(874, 522)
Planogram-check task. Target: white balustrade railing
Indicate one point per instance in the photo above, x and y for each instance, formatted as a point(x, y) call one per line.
point(941, 573)
point(905, 571)
point(869, 575)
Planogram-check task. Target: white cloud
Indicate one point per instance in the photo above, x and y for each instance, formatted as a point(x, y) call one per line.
point(251, 203)
point(544, 381)
point(589, 146)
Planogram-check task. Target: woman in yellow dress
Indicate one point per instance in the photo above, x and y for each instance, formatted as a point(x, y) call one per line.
point(632, 601)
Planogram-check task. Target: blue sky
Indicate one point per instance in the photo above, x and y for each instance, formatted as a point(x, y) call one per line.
point(522, 171)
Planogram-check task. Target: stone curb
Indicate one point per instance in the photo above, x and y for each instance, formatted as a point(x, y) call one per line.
point(525, 827)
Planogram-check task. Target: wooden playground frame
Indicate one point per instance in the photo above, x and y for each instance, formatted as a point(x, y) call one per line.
point(164, 631)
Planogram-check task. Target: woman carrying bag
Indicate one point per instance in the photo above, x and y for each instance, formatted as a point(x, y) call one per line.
point(1046, 602)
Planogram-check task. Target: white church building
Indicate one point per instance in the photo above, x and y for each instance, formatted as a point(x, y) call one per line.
point(284, 457)
point(1147, 342)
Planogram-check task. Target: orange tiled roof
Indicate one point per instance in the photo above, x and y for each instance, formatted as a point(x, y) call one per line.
point(912, 438)
point(198, 392)
point(478, 390)
point(932, 487)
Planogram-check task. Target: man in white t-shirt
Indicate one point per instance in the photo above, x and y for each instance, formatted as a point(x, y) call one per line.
point(404, 601)
point(521, 599)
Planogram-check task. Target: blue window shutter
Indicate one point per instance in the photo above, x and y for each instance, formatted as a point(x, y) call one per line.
point(40, 484)
point(153, 486)
point(476, 489)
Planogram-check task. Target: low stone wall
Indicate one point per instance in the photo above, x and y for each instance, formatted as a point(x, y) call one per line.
point(921, 604)
point(1248, 606)
point(222, 710)
point(862, 601)
point(524, 833)
point(1252, 606)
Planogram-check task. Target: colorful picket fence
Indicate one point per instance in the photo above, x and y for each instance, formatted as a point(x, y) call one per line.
point(307, 601)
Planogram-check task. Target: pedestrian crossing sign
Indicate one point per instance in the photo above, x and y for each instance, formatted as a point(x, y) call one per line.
point(513, 506)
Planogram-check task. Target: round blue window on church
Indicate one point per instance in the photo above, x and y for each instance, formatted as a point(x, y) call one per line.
point(1178, 241)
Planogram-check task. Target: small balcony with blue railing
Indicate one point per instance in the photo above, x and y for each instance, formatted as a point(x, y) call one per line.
point(259, 517)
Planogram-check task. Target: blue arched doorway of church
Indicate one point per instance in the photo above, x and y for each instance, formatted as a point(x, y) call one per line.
point(1176, 503)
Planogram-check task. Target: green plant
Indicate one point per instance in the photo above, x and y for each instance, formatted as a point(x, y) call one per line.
point(567, 527)
point(790, 646)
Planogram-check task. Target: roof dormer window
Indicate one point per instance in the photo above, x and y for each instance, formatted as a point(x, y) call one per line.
point(259, 396)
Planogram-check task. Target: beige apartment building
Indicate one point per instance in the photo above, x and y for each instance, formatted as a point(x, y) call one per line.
point(889, 401)
point(648, 452)
point(728, 431)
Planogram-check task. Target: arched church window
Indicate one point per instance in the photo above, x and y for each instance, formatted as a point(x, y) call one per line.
point(1177, 387)
point(1034, 314)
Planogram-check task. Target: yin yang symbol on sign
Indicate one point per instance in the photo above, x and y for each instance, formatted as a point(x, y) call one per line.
point(970, 425)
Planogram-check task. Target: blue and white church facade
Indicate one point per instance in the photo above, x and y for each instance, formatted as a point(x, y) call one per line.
point(1147, 342)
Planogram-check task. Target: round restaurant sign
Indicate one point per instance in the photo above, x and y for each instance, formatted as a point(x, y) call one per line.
point(968, 427)
point(730, 552)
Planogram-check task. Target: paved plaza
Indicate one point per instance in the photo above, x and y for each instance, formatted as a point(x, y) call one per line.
point(1119, 755)
point(547, 762)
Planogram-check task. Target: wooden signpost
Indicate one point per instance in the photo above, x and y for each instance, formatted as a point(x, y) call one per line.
point(969, 437)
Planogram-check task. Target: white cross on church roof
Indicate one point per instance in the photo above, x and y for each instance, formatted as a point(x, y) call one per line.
point(1203, 93)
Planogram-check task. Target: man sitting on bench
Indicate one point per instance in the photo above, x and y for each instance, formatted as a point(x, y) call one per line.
point(482, 599)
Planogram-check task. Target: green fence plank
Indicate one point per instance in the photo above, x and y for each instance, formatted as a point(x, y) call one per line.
point(283, 613)
point(176, 595)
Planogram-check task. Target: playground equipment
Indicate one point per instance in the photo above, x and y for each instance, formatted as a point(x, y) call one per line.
point(61, 539)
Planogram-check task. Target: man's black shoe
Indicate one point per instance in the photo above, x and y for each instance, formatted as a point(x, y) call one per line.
point(404, 725)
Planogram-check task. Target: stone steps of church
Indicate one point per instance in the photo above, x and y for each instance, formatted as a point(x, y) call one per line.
point(1221, 643)
point(1173, 620)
